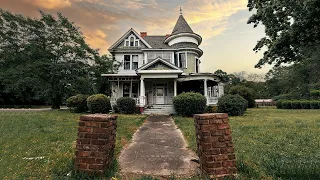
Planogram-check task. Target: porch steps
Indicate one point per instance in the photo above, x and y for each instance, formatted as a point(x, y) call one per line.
point(160, 109)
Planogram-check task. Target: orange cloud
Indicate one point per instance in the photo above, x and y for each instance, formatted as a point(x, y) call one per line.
point(50, 4)
point(97, 39)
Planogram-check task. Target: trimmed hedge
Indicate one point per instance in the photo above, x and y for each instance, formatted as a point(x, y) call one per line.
point(187, 104)
point(315, 93)
point(126, 105)
point(245, 92)
point(298, 104)
point(98, 103)
point(77, 103)
point(234, 105)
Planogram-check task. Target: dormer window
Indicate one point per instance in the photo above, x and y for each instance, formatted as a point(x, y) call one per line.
point(132, 41)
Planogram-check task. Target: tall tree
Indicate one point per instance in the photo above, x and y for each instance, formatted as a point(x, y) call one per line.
point(47, 55)
point(291, 28)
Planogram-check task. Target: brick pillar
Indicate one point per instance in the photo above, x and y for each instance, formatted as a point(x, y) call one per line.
point(215, 147)
point(95, 143)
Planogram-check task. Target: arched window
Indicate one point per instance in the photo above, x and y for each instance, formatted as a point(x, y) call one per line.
point(132, 41)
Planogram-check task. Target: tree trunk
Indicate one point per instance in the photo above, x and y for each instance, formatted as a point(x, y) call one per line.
point(56, 101)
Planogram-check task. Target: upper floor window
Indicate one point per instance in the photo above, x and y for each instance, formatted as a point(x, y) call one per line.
point(197, 65)
point(130, 62)
point(180, 60)
point(132, 41)
point(164, 55)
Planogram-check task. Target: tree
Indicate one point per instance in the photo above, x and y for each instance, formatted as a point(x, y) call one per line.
point(43, 57)
point(291, 27)
point(223, 75)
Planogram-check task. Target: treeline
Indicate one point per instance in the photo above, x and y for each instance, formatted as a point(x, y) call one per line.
point(46, 60)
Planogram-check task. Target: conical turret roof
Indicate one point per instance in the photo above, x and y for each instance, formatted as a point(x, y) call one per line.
point(181, 26)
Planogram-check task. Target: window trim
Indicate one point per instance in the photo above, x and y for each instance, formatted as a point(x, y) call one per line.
point(131, 61)
point(128, 41)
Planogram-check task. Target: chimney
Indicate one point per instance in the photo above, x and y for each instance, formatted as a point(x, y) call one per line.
point(143, 34)
point(167, 35)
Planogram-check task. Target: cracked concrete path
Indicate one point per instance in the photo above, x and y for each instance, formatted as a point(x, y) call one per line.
point(158, 148)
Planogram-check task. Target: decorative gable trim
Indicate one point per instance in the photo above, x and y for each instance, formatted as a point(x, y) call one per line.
point(127, 34)
point(144, 68)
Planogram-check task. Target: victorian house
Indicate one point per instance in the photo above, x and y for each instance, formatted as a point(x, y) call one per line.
point(154, 69)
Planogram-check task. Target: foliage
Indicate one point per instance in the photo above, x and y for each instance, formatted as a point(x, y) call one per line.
point(315, 93)
point(234, 105)
point(115, 108)
point(305, 104)
point(126, 105)
point(291, 34)
point(296, 104)
point(314, 105)
point(98, 103)
point(286, 104)
point(211, 109)
point(77, 103)
point(223, 75)
point(187, 104)
point(245, 92)
point(279, 104)
point(293, 133)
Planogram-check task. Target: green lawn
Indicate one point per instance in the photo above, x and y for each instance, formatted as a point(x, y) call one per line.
point(51, 135)
point(272, 143)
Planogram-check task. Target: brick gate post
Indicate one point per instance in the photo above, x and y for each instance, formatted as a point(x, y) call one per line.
point(95, 143)
point(215, 147)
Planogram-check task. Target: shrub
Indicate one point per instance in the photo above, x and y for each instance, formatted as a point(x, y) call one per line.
point(115, 108)
point(187, 104)
point(286, 104)
point(77, 103)
point(245, 92)
point(296, 104)
point(315, 93)
point(305, 104)
point(211, 109)
point(314, 104)
point(126, 105)
point(98, 103)
point(278, 104)
point(234, 105)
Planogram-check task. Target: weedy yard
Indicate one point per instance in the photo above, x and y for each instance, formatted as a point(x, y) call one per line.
point(272, 143)
point(40, 145)
point(269, 143)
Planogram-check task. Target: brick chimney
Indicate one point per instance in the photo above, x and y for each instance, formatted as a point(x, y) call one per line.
point(143, 34)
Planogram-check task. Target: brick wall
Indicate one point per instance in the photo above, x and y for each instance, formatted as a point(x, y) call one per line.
point(215, 147)
point(95, 143)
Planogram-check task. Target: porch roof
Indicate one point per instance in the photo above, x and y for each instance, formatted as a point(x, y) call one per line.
point(198, 76)
point(169, 68)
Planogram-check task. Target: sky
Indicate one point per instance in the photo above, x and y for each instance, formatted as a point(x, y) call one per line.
point(227, 38)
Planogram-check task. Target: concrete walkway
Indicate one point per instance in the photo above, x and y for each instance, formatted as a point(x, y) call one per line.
point(159, 149)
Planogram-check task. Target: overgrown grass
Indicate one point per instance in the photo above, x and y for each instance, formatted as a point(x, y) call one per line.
point(272, 143)
point(50, 136)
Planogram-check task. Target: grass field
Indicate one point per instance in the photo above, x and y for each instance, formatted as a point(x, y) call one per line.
point(272, 143)
point(49, 137)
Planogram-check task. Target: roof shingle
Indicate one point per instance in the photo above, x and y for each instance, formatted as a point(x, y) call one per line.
point(181, 26)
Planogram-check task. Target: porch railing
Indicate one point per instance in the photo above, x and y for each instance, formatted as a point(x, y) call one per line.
point(212, 100)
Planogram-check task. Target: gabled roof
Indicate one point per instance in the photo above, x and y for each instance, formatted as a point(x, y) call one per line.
point(172, 67)
point(157, 42)
point(181, 26)
point(127, 34)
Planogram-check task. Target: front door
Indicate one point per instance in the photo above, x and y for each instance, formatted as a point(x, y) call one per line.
point(160, 95)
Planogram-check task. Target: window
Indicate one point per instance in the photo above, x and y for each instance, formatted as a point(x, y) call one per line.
point(126, 61)
point(164, 55)
point(182, 60)
point(130, 62)
point(134, 61)
point(131, 41)
point(126, 89)
point(197, 65)
point(134, 93)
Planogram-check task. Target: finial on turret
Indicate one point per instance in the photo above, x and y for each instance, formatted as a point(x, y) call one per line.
point(180, 11)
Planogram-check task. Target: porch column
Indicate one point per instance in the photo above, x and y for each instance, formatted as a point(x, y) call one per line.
point(175, 87)
point(205, 90)
point(142, 92)
point(221, 89)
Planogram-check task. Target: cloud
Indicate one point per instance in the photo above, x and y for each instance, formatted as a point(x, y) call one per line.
point(49, 4)
point(97, 39)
